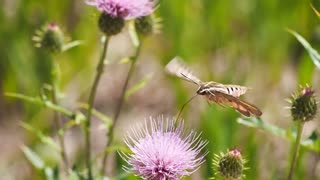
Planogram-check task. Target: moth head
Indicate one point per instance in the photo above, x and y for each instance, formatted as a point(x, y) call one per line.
point(202, 90)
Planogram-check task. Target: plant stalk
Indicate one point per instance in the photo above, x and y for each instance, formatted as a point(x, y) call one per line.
point(93, 90)
point(296, 150)
point(119, 107)
point(57, 118)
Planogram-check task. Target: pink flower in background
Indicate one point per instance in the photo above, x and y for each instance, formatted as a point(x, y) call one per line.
point(126, 9)
point(164, 152)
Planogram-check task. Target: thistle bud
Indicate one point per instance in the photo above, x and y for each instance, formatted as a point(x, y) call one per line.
point(303, 105)
point(50, 37)
point(110, 25)
point(147, 25)
point(229, 165)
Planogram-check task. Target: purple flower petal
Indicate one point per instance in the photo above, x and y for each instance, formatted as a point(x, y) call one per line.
point(164, 152)
point(126, 9)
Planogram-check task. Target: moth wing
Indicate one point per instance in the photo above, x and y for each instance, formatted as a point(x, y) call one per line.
point(241, 106)
point(177, 68)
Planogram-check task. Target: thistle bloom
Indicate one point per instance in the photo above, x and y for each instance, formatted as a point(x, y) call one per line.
point(303, 105)
point(164, 152)
point(125, 9)
point(229, 165)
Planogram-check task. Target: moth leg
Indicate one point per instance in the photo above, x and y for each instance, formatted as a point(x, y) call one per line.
point(208, 83)
point(211, 93)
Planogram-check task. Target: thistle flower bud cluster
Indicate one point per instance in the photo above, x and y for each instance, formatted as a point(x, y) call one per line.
point(147, 25)
point(115, 12)
point(303, 105)
point(229, 165)
point(50, 37)
point(110, 25)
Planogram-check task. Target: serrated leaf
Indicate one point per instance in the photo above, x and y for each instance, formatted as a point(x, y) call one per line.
point(43, 138)
point(33, 157)
point(137, 87)
point(314, 55)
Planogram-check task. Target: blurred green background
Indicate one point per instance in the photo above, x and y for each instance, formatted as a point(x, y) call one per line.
point(235, 42)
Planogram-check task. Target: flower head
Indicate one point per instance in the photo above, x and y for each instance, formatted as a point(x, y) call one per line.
point(147, 25)
point(125, 9)
point(303, 105)
point(229, 165)
point(50, 37)
point(164, 152)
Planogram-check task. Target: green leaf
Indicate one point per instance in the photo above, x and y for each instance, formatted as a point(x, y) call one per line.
point(51, 173)
point(33, 157)
point(134, 35)
point(315, 10)
point(112, 148)
point(125, 60)
point(311, 144)
point(71, 45)
point(43, 138)
point(137, 87)
point(42, 102)
point(78, 120)
point(73, 176)
point(314, 55)
point(118, 148)
point(120, 176)
point(104, 118)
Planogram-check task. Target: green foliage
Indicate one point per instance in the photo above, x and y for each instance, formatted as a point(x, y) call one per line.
point(137, 86)
point(229, 41)
point(314, 55)
point(312, 143)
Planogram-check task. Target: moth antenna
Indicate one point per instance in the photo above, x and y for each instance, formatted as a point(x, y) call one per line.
point(197, 83)
point(184, 105)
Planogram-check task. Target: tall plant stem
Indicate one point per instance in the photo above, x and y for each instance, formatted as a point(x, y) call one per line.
point(93, 90)
point(57, 118)
point(296, 150)
point(119, 107)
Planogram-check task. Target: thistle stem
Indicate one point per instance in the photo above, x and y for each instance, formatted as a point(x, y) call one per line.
point(57, 118)
point(90, 107)
point(296, 150)
point(119, 107)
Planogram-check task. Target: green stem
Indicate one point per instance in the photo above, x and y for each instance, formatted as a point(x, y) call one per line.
point(296, 150)
point(93, 90)
point(119, 107)
point(57, 119)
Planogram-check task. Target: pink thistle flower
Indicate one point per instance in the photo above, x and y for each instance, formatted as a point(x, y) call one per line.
point(164, 152)
point(125, 9)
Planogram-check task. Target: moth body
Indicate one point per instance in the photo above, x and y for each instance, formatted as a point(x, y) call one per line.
point(222, 94)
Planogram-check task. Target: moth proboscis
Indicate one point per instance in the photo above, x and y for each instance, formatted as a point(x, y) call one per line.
point(221, 94)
